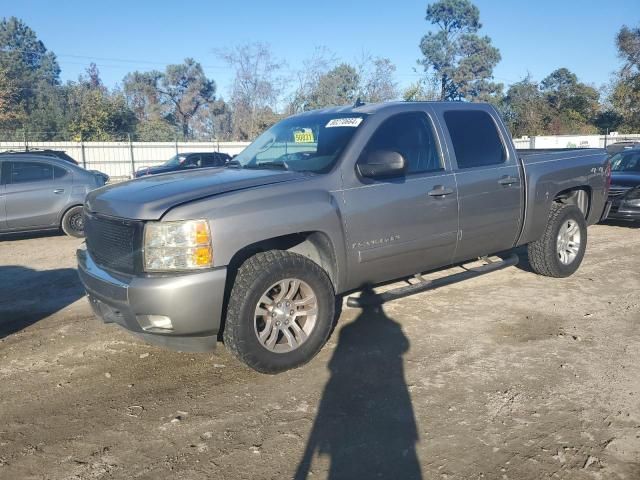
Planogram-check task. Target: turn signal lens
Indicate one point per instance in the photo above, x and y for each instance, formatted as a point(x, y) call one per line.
point(202, 256)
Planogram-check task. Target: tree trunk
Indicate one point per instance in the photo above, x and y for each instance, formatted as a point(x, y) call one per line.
point(443, 89)
point(185, 128)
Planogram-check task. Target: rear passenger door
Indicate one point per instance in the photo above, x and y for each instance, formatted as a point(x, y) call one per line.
point(36, 193)
point(489, 183)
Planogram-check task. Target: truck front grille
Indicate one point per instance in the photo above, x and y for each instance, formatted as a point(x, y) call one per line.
point(113, 243)
point(616, 192)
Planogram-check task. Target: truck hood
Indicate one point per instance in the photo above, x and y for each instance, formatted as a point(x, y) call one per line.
point(625, 179)
point(150, 197)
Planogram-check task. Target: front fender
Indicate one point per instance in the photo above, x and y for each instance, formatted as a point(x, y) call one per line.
point(252, 216)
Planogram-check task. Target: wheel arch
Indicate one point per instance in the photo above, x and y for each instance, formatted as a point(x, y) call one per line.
point(65, 210)
point(580, 196)
point(315, 245)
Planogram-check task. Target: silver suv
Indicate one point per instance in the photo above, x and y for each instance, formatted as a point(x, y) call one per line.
point(40, 192)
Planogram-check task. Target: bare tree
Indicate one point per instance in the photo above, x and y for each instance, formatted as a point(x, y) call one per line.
point(321, 61)
point(256, 88)
point(377, 82)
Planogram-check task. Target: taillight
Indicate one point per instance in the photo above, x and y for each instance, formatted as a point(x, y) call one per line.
point(607, 172)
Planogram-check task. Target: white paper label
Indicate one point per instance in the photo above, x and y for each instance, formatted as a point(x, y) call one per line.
point(344, 122)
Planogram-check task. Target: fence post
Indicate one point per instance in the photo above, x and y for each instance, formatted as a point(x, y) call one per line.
point(133, 163)
point(175, 139)
point(24, 138)
point(84, 160)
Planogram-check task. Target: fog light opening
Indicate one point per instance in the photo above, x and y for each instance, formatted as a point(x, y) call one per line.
point(155, 322)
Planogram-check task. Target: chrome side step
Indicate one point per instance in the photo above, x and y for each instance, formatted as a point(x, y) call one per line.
point(423, 286)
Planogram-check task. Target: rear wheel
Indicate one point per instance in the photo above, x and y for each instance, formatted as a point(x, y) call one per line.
point(559, 252)
point(280, 312)
point(73, 222)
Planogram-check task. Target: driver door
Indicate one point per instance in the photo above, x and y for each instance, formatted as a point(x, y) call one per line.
point(407, 224)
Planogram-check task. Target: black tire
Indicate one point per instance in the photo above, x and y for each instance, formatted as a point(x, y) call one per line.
point(73, 222)
point(254, 278)
point(544, 256)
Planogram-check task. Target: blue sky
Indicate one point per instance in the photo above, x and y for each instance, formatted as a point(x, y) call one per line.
point(120, 36)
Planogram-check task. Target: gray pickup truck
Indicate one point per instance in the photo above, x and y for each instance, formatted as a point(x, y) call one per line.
point(322, 204)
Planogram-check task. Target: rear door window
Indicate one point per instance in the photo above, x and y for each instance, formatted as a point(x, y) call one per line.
point(475, 138)
point(59, 172)
point(23, 172)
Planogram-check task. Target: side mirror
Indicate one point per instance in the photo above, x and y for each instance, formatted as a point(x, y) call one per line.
point(381, 163)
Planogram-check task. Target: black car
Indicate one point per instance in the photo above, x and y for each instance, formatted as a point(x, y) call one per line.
point(621, 146)
point(625, 185)
point(187, 161)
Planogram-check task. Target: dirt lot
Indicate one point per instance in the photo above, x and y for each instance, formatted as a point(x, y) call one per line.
point(510, 375)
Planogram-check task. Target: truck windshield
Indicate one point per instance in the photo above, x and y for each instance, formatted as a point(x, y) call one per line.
point(304, 143)
point(174, 161)
point(626, 162)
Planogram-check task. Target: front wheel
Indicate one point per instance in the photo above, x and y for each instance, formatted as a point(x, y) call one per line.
point(280, 312)
point(559, 252)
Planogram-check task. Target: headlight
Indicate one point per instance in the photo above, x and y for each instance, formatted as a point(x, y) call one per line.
point(182, 245)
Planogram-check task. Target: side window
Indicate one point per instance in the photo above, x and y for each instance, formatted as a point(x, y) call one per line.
point(475, 138)
point(193, 161)
point(22, 172)
point(411, 135)
point(210, 160)
point(59, 172)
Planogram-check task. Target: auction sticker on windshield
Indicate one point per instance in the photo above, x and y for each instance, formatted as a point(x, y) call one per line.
point(303, 136)
point(344, 122)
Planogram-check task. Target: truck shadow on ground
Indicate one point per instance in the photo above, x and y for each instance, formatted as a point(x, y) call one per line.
point(365, 422)
point(27, 296)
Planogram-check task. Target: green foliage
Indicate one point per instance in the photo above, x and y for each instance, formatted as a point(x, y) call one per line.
point(525, 108)
point(155, 130)
point(186, 89)
point(625, 97)
point(339, 86)
point(27, 67)
point(462, 60)
point(94, 113)
point(571, 105)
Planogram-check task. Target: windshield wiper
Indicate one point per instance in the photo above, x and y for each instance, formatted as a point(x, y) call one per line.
point(280, 164)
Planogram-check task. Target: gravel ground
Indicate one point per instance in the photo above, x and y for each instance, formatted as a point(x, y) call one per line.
point(510, 375)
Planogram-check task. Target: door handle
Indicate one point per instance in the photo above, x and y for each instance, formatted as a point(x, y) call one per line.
point(506, 180)
point(58, 191)
point(440, 191)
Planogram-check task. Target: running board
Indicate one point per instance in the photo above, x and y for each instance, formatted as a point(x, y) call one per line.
point(423, 286)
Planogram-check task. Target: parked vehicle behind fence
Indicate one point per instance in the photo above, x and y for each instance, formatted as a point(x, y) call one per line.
point(326, 203)
point(187, 161)
point(43, 192)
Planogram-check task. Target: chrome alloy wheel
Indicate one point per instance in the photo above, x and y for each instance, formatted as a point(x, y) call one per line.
point(285, 315)
point(568, 242)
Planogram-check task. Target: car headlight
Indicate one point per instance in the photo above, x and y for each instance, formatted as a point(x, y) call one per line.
point(181, 245)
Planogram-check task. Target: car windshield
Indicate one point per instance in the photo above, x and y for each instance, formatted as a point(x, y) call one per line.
point(304, 143)
point(626, 162)
point(174, 161)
